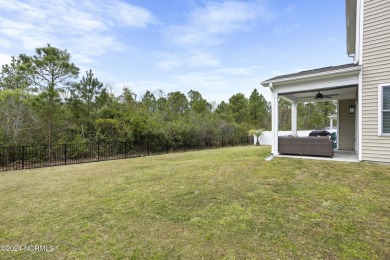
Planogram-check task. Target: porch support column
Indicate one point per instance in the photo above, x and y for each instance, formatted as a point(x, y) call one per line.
point(360, 117)
point(275, 121)
point(294, 118)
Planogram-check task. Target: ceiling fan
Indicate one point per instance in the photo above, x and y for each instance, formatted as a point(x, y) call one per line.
point(319, 95)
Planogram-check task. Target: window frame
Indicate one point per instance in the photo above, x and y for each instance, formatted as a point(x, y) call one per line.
point(380, 109)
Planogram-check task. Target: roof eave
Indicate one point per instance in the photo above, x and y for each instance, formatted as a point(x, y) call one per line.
point(310, 76)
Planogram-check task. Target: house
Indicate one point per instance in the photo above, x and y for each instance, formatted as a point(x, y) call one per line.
point(362, 88)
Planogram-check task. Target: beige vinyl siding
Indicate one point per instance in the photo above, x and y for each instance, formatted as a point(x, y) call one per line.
point(376, 63)
point(346, 128)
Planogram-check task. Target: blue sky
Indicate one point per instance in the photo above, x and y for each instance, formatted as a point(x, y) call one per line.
point(219, 48)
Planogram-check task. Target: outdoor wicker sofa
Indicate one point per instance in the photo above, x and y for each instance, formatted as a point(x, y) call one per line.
point(312, 146)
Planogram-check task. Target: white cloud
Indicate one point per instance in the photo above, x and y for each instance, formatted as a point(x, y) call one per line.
point(240, 71)
point(79, 22)
point(172, 61)
point(93, 44)
point(206, 25)
point(82, 58)
point(132, 16)
point(4, 59)
point(203, 60)
point(215, 85)
point(5, 43)
point(87, 28)
point(225, 16)
point(14, 5)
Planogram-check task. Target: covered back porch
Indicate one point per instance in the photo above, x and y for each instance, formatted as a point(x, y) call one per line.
point(338, 83)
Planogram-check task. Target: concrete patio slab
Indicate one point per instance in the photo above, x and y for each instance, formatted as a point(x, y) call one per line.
point(339, 155)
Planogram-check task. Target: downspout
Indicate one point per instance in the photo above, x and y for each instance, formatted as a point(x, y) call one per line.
point(361, 35)
point(360, 86)
point(357, 56)
point(360, 116)
point(338, 125)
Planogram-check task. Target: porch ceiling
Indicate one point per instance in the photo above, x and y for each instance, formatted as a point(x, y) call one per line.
point(336, 93)
point(335, 83)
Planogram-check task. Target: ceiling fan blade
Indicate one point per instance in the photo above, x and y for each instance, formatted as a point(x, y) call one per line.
point(319, 95)
point(330, 95)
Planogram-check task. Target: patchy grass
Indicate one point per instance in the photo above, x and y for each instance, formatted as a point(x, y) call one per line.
point(218, 204)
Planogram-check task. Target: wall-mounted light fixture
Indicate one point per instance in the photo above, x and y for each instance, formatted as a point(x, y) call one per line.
point(352, 109)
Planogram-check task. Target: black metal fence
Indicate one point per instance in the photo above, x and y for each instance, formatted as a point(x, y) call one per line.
point(37, 156)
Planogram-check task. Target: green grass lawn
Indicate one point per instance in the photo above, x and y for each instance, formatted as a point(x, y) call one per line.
point(215, 204)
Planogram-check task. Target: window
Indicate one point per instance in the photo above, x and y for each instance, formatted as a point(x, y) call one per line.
point(384, 109)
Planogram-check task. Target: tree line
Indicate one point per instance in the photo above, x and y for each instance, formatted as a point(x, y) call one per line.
point(311, 115)
point(44, 100)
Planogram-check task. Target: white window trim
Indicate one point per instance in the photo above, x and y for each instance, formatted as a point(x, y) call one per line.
point(380, 109)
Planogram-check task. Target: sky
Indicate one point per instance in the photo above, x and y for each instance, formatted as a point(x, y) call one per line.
point(217, 47)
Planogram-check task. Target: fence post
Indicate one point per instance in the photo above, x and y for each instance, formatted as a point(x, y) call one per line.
point(65, 155)
point(22, 157)
point(49, 153)
point(125, 149)
point(98, 150)
point(3, 159)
